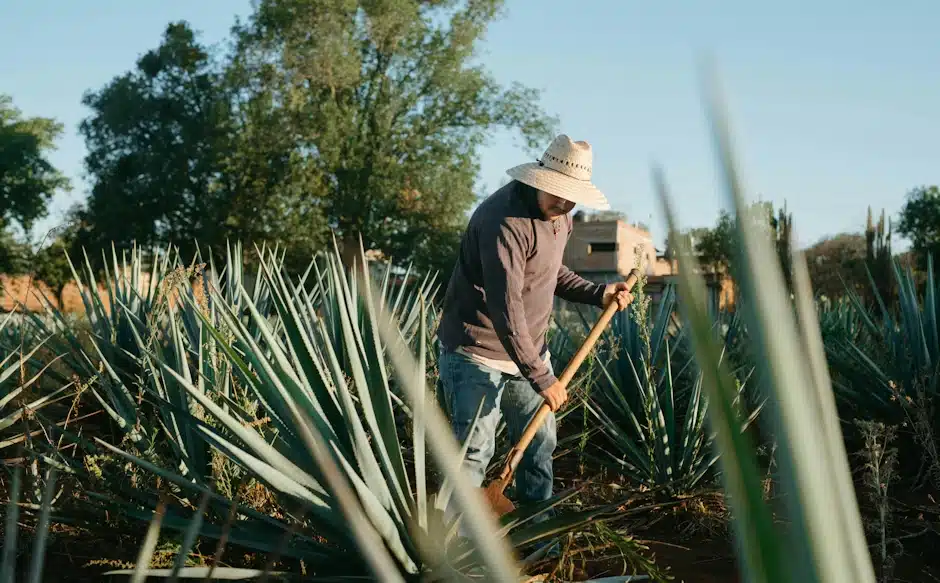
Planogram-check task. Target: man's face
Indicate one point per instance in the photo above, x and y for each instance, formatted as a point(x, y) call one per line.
point(554, 206)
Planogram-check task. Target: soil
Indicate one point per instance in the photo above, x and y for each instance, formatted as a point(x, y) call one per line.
point(76, 557)
point(690, 541)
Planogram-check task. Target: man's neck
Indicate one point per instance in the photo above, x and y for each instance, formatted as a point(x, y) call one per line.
point(534, 205)
point(530, 201)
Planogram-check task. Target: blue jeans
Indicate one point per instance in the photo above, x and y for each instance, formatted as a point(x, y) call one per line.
point(463, 384)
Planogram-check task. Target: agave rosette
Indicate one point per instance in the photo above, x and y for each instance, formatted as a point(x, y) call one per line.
point(323, 434)
point(21, 390)
point(650, 405)
point(883, 357)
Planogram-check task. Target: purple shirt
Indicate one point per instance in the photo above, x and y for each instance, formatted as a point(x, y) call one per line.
point(499, 301)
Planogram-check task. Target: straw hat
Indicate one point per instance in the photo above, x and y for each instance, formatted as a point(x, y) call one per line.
point(564, 171)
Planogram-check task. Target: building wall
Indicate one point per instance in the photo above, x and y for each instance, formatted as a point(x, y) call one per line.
point(605, 251)
point(593, 247)
point(609, 247)
point(24, 290)
point(635, 241)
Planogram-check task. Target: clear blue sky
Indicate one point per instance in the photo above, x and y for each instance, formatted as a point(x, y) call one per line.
point(835, 104)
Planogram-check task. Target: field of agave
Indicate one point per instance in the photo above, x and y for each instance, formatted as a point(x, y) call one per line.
point(203, 420)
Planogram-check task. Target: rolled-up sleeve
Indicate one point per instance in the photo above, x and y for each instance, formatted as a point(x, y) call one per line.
point(504, 247)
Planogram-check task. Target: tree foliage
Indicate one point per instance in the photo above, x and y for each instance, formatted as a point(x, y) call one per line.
point(920, 222)
point(715, 246)
point(28, 180)
point(14, 254)
point(157, 140)
point(360, 118)
point(51, 259)
point(855, 261)
point(836, 262)
point(387, 111)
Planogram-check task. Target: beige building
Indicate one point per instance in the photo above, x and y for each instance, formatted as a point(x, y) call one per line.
point(610, 248)
point(606, 250)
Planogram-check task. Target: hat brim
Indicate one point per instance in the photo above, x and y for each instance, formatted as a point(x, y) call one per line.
point(561, 185)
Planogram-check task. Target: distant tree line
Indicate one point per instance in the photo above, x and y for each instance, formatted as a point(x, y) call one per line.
point(321, 120)
point(861, 261)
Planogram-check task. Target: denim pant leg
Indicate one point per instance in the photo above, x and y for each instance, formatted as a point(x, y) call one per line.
point(464, 384)
point(534, 475)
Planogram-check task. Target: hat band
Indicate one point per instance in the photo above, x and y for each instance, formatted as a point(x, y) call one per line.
point(570, 169)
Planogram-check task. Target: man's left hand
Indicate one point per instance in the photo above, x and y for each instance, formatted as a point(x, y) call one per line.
point(618, 292)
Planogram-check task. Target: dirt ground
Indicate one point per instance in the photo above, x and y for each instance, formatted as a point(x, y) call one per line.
point(691, 540)
point(689, 543)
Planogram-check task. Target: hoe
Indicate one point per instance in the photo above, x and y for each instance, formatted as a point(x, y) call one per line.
point(494, 491)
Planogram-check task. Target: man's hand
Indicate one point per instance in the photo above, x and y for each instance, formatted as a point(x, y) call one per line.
point(618, 292)
point(555, 396)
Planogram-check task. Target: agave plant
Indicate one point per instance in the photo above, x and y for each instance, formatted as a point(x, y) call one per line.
point(138, 314)
point(8, 568)
point(22, 390)
point(134, 302)
point(407, 296)
point(133, 313)
point(318, 433)
point(824, 541)
point(840, 320)
point(129, 306)
point(649, 401)
point(878, 357)
point(886, 367)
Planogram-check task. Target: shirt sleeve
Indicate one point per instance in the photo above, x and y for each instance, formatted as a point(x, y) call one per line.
point(504, 247)
point(574, 288)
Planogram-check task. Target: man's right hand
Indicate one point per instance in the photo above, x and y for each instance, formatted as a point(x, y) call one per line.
point(555, 396)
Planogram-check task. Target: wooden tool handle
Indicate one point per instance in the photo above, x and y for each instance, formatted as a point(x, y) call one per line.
point(594, 335)
point(515, 456)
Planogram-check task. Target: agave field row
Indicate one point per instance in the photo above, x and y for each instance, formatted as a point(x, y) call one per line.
point(219, 417)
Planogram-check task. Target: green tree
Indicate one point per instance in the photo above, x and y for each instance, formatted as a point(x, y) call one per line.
point(345, 118)
point(386, 111)
point(28, 180)
point(715, 246)
point(14, 254)
point(157, 140)
point(920, 222)
point(51, 259)
point(836, 262)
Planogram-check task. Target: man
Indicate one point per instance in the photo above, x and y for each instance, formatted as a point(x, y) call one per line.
point(498, 305)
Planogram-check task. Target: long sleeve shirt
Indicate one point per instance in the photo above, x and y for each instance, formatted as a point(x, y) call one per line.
point(499, 300)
